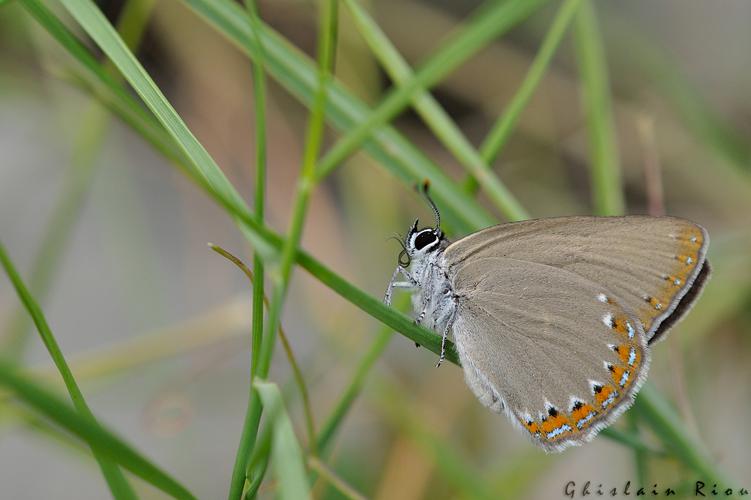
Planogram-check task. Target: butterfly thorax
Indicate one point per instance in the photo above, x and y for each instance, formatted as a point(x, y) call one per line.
point(433, 299)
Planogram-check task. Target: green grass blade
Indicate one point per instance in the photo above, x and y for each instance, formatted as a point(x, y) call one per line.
point(95, 79)
point(58, 230)
point(435, 116)
point(344, 489)
point(340, 411)
point(286, 455)
point(305, 184)
point(608, 198)
point(454, 468)
point(487, 23)
point(239, 210)
point(115, 479)
point(259, 105)
point(607, 192)
point(392, 150)
point(246, 441)
point(395, 320)
point(506, 123)
point(641, 457)
point(667, 426)
point(91, 132)
point(632, 440)
point(295, 71)
point(91, 19)
point(86, 428)
point(243, 451)
point(258, 464)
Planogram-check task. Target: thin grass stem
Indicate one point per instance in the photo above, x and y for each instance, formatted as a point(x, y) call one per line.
point(99, 438)
point(334, 480)
point(667, 426)
point(119, 486)
point(257, 67)
point(340, 411)
point(93, 127)
point(294, 364)
point(607, 192)
point(488, 22)
point(295, 75)
point(442, 125)
point(306, 182)
point(504, 126)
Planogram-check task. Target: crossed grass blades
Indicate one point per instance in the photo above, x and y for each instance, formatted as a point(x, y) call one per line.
point(274, 443)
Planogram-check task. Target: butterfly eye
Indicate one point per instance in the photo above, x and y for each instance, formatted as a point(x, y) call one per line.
point(424, 239)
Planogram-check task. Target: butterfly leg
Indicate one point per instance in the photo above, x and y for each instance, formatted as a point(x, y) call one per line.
point(398, 284)
point(410, 283)
point(427, 295)
point(390, 288)
point(423, 309)
point(443, 344)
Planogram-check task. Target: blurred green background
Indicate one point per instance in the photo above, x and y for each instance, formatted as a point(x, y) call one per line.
point(112, 241)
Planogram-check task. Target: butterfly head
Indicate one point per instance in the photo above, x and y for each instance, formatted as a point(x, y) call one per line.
point(420, 242)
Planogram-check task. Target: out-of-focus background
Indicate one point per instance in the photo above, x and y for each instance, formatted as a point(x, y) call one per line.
point(155, 325)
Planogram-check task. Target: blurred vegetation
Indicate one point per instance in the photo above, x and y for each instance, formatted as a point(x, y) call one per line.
point(326, 114)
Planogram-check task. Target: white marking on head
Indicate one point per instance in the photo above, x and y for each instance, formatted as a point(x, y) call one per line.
point(608, 320)
point(602, 297)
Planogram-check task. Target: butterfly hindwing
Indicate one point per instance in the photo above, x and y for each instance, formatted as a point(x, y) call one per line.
point(554, 350)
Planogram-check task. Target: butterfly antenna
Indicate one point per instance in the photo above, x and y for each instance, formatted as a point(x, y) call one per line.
point(424, 189)
point(403, 258)
point(398, 239)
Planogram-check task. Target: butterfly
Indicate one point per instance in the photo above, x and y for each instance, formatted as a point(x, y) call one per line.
point(553, 319)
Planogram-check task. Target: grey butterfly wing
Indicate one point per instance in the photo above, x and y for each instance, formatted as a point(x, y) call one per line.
point(656, 266)
point(552, 349)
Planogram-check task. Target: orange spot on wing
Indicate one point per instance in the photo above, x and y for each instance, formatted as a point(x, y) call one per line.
point(582, 412)
point(552, 423)
point(619, 324)
point(624, 350)
point(603, 395)
point(532, 427)
point(618, 376)
point(689, 242)
point(655, 303)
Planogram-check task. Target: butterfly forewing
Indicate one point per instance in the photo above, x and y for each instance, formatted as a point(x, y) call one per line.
point(648, 263)
point(555, 350)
